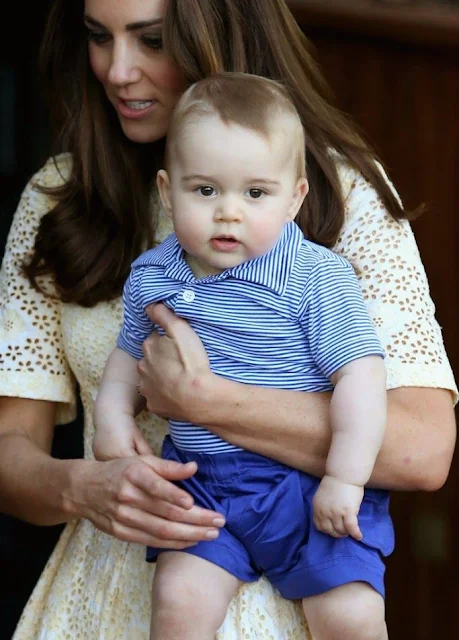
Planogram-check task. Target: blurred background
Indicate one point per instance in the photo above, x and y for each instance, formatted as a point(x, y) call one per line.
point(394, 66)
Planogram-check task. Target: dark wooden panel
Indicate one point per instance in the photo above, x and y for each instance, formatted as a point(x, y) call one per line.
point(396, 72)
point(427, 23)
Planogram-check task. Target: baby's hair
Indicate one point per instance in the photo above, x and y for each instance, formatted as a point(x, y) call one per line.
point(245, 100)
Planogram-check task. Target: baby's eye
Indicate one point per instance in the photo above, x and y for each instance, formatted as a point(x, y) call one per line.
point(206, 191)
point(256, 194)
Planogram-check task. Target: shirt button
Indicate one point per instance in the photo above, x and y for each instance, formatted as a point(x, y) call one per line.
point(188, 295)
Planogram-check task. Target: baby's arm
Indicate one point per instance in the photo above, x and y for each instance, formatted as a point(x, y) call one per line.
point(358, 420)
point(116, 406)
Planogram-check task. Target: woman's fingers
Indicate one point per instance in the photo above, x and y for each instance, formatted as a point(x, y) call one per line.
point(156, 531)
point(137, 535)
point(165, 318)
point(157, 495)
point(131, 501)
point(170, 469)
point(174, 366)
point(180, 338)
point(144, 473)
point(196, 516)
point(146, 507)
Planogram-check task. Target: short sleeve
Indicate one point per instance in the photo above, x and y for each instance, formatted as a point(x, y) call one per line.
point(137, 326)
point(386, 260)
point(334, 317)
point(32, 357)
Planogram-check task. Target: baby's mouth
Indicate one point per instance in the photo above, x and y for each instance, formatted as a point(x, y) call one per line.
point(225, 243)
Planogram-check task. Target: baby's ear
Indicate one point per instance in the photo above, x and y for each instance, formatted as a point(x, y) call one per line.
point(301, 190)
point(164, 188)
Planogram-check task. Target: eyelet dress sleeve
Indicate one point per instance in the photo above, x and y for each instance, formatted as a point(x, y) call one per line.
point(386, 259)
point(32, 359)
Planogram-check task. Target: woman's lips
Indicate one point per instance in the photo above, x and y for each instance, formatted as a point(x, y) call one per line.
point(137, 112)
point(225, 244)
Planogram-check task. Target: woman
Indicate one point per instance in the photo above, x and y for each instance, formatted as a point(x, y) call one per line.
point(112, 86)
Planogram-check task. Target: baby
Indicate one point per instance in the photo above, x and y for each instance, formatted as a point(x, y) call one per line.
point(271, 309)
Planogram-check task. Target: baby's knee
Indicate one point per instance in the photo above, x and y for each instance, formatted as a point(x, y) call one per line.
point(360, 621)
point(176, 599)
point(174, 594)
point(351, 612)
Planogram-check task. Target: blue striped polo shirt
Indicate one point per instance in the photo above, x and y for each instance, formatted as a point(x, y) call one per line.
point(288, 319)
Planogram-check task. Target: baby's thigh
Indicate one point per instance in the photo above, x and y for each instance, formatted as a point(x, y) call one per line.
point(188, 583)
point(353, 611)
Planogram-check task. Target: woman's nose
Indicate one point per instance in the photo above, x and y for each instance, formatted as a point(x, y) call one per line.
point(123, 67)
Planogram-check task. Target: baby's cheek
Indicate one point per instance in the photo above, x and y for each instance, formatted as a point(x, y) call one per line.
point(265, 236)
point(189, 233)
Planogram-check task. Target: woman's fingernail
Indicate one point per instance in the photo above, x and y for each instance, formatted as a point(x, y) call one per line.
point(219, 522)
point(212, 534)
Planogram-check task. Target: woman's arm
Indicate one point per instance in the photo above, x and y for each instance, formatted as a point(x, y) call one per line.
point(290, 426)
point(133, 499)
point(294, 427)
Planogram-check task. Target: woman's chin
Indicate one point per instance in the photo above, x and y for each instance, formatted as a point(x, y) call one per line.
point(141, 133)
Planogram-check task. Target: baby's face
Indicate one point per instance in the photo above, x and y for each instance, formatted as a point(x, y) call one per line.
point(231, 193)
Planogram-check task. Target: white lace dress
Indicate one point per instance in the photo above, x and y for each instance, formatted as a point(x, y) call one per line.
point(95, 587)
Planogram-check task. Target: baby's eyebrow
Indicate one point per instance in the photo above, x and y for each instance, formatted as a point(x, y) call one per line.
point(263, 181)
point(191, 177)
point(196, 176)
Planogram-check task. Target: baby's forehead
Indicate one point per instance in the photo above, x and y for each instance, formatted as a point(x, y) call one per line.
point(276, 133)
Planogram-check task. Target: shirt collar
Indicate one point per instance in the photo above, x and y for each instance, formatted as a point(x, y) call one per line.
point(271, 270)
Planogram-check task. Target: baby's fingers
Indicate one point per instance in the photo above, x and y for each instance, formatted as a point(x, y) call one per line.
point(141, 446)
point(324, 524)
point(329, 526)
point(351, 526)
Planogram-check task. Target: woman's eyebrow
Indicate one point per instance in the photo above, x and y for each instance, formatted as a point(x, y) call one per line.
point(132, 26)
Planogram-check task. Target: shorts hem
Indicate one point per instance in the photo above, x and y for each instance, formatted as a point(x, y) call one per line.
point(232, 568)
point(315, 581)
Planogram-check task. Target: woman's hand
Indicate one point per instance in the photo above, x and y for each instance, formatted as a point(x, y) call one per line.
point(135, 500)
point(175, 367)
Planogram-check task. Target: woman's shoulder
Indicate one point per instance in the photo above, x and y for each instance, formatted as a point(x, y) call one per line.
point(54, 173)
point(34, 202)
point(353, 181)
point(363, 207)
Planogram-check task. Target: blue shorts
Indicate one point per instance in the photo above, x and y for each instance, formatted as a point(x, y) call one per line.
point(269, 528)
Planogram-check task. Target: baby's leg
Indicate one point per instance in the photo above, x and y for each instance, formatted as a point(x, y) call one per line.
point(354, 611)
point(190, 597)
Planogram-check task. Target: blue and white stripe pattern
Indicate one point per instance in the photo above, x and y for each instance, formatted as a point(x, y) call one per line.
point(288, 319)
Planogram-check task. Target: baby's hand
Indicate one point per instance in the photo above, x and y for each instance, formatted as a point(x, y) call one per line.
point(336, 506)
point(119, 437)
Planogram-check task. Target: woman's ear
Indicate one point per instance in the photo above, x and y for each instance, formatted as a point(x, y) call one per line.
point(164, 188)
point(301, 190)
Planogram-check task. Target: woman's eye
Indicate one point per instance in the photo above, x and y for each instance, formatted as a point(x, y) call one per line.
point(154, 42)
point(256, 194)
point(98, 37)
point(206, 191)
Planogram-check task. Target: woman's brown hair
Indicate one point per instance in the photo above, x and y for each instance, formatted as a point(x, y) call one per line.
point(103, 215)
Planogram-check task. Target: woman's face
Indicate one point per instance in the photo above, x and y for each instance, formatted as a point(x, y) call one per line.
point(126, 56)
